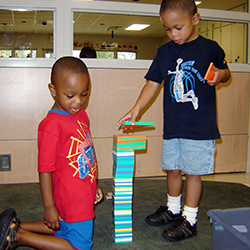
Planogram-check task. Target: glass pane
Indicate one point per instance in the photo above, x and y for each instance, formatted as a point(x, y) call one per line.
point(239, 5)
point(97, 30)
point(25, 53)
point(30, 31)
point(126, 55)
point(230, 36)
point(49, 54)
point(235, 5)
point(106, 32)
point(5, 53)
point(105, 54)
point(76, 52)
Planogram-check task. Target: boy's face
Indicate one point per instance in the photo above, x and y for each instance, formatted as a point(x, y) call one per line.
point(180, 26)
point(70, 91)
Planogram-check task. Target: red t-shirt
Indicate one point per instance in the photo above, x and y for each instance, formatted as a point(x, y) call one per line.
point(66, 150)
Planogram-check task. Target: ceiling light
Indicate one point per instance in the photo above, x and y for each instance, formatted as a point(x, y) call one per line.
point(198, 2)
point(137, 26)
point(20, 10)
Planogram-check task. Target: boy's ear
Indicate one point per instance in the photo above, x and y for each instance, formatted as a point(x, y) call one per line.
point(52, 89)
point(196, 18)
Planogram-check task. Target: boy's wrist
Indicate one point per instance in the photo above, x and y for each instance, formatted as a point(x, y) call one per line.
point(224, 75)
point(49, 206)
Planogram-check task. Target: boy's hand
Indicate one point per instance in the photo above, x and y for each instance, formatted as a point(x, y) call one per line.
point(51, 218)
point(129, 117)
point(220, 75)
point(99, 194)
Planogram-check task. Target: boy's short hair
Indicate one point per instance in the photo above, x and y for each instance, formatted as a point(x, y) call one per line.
point(88, 52)
point(67, 63)
point(188, 6)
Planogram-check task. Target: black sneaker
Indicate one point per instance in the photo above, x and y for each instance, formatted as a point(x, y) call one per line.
point(179, 231)
point(162, 216)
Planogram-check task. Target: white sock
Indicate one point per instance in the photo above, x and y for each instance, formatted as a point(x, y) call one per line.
point(191, 214)
point(174, 204)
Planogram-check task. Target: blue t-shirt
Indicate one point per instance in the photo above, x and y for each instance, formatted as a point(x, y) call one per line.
point(189, 105)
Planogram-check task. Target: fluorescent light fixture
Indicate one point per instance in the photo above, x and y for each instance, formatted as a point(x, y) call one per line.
point(137, 26)
point(198, 2)
point(21, 10)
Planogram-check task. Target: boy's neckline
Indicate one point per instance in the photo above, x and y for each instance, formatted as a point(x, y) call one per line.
point(62, 112)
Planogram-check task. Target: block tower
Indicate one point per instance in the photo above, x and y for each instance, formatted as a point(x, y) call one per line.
point(124, 147)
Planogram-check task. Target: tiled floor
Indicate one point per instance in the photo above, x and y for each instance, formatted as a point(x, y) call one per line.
point(243, 178)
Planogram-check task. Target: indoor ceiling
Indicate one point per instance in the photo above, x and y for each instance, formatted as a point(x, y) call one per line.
point(97, 23)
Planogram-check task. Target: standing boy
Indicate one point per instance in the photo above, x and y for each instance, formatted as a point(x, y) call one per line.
point(67, 169)
point(189, 106)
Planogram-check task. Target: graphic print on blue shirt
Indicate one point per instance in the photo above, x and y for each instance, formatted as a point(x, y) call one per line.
point(86, 159)
point(182, 83)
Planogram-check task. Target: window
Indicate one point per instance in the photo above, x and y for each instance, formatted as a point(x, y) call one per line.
point(29, 33)
point(98, 30)
point(25, 53)
point(53, 30)
point(126, 55)
point(239, 5)
point(5, 53)
point(105, 54)
point(106, 32)
point(49, 54)
point(76, 52)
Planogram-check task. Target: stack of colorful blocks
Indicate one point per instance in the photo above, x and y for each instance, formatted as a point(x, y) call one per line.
point(122, 186)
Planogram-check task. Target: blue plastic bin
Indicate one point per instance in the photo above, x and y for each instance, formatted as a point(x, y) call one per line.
point(231, 228)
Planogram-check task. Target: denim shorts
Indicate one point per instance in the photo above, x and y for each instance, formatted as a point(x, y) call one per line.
point(194, 157)
point(79, 234)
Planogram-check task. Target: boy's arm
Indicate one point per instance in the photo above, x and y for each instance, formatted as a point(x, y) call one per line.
point(220, 75)
point(51, 214)
point(147, 93)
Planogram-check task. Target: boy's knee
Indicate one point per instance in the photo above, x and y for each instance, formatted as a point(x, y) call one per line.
point(173, 172)
point(192, 177)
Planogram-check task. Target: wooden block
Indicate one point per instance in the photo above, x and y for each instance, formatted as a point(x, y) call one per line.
point(128, 125)
point(210, 72)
